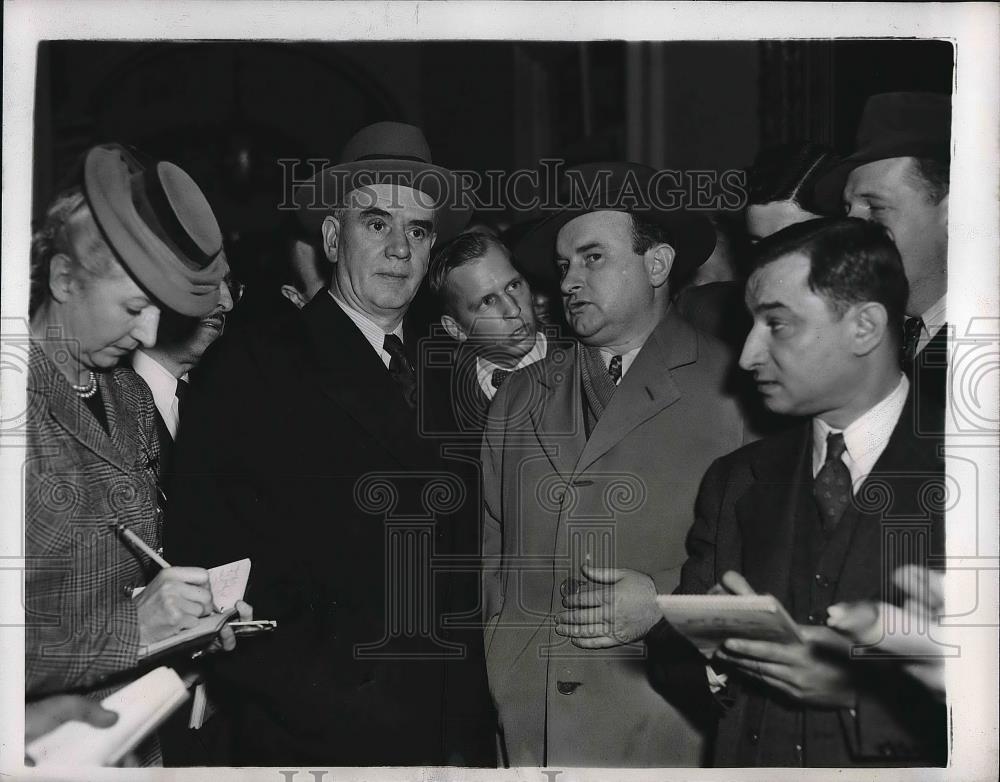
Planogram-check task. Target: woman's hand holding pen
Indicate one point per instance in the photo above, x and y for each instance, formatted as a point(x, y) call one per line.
point(173, 601)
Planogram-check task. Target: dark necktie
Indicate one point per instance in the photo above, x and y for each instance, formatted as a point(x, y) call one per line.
point(832, 486)
point(400, 369)
point(615, 368)
point(498, 376)
point(181, 393)
point(912, 330)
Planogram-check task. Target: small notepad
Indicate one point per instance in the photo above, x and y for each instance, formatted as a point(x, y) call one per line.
point(229, 583)
point(141, 707)
point(708, 620)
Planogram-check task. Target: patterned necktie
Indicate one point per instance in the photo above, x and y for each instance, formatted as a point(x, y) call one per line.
point(400, 369)
point(498, 376)
point(180, 391)
point(615, 368)
point(832, 487)
point(912, 330)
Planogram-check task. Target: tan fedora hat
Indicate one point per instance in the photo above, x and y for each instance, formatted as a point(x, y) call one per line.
point(387, 152)
point(160, 225)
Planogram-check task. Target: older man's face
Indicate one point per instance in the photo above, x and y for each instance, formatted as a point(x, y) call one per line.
point(383, 242)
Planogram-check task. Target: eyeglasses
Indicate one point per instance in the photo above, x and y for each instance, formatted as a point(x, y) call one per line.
point(236, 289)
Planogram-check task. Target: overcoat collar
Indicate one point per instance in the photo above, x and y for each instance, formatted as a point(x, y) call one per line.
point(646, 389)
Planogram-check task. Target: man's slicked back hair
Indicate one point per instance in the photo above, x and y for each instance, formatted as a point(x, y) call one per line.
point(851, 261)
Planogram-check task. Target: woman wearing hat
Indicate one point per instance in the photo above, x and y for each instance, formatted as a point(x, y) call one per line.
point(111, 255)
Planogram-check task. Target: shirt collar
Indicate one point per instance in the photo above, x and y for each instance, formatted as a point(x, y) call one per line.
point(869, 432)
point(485, 367)
point(372, 331)
point(936, 316)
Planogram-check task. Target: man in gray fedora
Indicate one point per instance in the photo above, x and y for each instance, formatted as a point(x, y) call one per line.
point(591, 461)
point(309, 449)
point(898, 176)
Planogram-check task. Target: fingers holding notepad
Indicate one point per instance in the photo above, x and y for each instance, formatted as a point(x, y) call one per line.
point(174, 600)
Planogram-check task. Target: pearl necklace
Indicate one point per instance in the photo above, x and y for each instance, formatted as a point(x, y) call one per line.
point(88, 390)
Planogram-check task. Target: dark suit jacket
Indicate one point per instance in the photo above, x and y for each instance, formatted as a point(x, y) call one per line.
point(748, 519)
point(298, 451)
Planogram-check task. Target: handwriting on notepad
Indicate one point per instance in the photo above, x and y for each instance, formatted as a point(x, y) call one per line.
point(229, 583)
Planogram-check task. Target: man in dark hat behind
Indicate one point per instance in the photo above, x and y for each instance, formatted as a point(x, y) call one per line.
point(310, 448)
point(899, 177)
point(591, 461)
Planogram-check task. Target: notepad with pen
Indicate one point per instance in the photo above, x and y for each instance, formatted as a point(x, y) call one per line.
point(708, 620)
point(228, 584)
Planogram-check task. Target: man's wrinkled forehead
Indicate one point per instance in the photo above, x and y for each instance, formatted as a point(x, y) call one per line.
point(391, 198)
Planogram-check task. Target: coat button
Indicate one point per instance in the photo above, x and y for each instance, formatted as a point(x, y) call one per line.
point(567, 688)
point(753, 737)
point(822, 580)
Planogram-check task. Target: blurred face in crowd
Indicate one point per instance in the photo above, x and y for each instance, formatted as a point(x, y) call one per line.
point(892, 193)
point(766, 219)
point(309, 269)
point(380, 244)
point(799, 350)
point(104, 312)
point(210, 327)
point(609, 290)
point(490, 303)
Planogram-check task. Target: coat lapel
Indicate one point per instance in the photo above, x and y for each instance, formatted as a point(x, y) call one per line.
point(72, 414)
point(766, 513)
point(894, 491)
point(352, 374)
point(646, 389)
point(558, 420)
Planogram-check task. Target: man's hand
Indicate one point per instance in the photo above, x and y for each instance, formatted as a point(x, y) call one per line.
point(909, 634)
point(226, 640)
point(46, 715)
point(172, 601)
point(614, 606)
point(800, 670)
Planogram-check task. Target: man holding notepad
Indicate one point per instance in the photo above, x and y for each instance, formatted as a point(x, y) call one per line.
point(823, 513)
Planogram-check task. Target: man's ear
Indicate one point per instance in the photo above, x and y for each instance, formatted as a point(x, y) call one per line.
point(331, 237)
point(454, 330)
point(659, 260)
point(62, 280)
point(291, 293)
point(870, 322)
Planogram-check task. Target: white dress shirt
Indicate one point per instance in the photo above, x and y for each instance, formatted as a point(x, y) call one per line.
point(485, 367)
point(372, 331)
point(866, 437)
point(934, 319)
point(163, 385)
